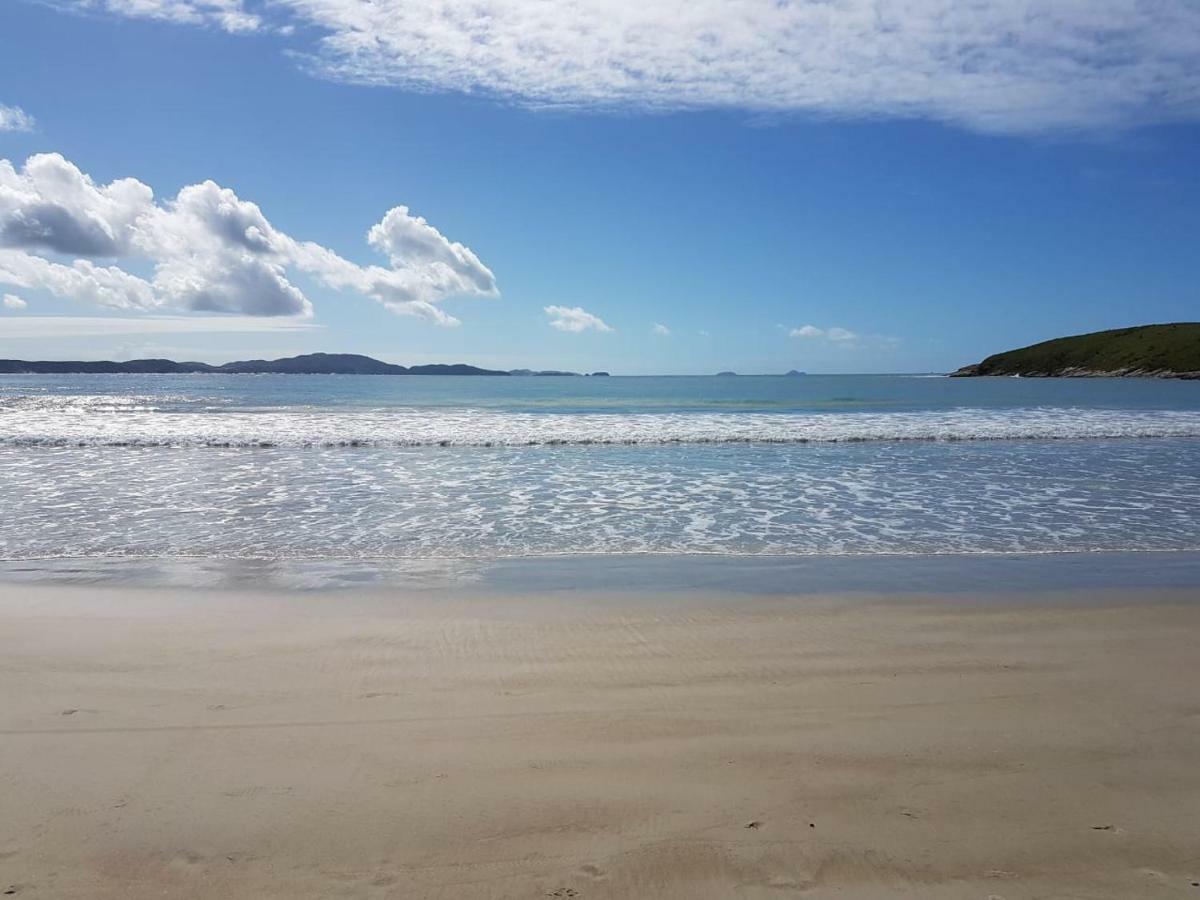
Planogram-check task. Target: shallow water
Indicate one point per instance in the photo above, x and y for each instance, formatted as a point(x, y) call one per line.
point(312, 467)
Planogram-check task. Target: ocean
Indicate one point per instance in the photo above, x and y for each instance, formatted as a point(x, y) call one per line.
point(276, 467)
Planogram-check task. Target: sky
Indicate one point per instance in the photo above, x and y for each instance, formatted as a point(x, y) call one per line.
point(676, 187)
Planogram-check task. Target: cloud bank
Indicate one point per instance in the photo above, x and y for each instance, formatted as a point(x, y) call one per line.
point(12, 301)
point(574, 319)
point(210, 251)
point(1000, 66)
point(97, 326)
point(13, 118)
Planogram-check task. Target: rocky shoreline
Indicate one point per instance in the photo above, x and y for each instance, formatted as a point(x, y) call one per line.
point(973, 371)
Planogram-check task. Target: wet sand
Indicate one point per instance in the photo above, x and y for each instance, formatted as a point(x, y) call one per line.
point(187, 743)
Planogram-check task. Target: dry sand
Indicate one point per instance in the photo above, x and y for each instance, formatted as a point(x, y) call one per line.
point(216, 744)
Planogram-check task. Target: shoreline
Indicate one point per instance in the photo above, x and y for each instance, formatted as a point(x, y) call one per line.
point(480, 741)
point(883, 574)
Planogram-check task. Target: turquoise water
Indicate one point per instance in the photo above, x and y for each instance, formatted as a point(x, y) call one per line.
point(316, 467)
point(811, 393)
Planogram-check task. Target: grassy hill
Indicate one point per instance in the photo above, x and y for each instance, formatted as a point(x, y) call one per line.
point(1165, 351)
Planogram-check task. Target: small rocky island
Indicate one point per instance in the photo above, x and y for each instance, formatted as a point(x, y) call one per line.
point(1146, 351)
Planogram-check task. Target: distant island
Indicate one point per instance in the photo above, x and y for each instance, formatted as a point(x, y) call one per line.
point(1146, 351)
point(308, 364)
point(543, 372)
point(791, 373)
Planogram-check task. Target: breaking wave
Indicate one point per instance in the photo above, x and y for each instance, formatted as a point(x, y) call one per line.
point(163, 421)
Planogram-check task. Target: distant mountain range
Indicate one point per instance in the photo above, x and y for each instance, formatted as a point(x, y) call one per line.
point(308, 364)
point(1149, 351)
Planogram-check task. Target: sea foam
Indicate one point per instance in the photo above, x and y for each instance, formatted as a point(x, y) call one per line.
point(157, 421)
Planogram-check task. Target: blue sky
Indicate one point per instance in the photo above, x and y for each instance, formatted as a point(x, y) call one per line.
point(828, 220)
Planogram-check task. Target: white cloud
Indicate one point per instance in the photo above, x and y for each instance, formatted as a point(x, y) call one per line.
point(997, 66)
point(574, 318)
point(13, 118)
point(106, 286)
point(95, 326)
point(838, 335)
point(12, 301)
point(51, 205)
point(661, 330)
point(805, 331)
point(229, 15)
point(210, 250)
point(406, 238)
point(843, 338)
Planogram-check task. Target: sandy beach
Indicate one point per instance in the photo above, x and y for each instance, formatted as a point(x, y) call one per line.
point(188, 743)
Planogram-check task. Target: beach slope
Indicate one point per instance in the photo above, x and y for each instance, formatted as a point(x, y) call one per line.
point(223, 744)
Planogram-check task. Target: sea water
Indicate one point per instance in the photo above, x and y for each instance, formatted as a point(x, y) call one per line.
point(432, 467)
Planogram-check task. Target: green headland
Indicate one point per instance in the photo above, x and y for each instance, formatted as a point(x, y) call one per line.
point(1149, 351)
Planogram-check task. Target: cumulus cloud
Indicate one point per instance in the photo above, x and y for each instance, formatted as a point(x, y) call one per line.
point(51, 205)
point(1001, 66)
point(660, 330)
point(12, 301)
point(210, 250)
point(839, 335)
point(13, 118)
point(82, 280)
point(575, 319)
point(406, 238)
